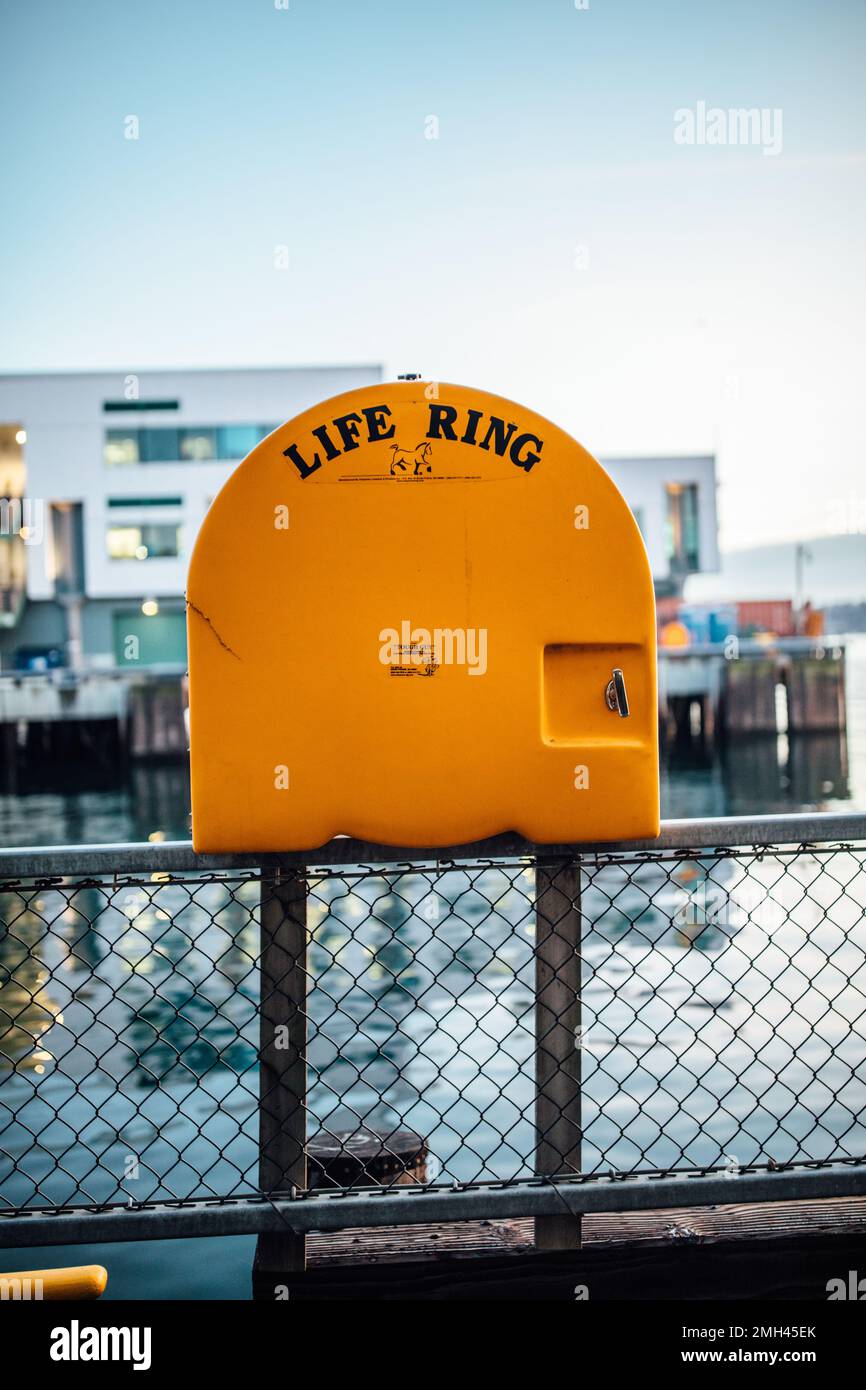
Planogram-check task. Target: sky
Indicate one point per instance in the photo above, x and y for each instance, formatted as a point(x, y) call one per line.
point(488, 193)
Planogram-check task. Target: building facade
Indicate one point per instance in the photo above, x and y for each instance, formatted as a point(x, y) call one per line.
point(106, 478)
point(674, 503)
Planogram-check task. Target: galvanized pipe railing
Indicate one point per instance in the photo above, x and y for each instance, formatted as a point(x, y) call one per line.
point(288, 1218)
point(178, 856)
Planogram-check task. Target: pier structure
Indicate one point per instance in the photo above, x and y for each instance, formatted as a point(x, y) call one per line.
point(716, 690)
point(99, 717)
point(708, 692)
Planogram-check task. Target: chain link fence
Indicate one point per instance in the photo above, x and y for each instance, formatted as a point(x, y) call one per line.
point(477, 1020)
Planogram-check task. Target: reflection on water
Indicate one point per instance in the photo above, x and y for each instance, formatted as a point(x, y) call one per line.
point(762, 775)
point(27, 1010)
point(722, 1002)
point(125, 1031)
point(150, 799)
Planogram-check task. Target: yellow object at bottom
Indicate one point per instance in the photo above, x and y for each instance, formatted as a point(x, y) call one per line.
point(35, 1285)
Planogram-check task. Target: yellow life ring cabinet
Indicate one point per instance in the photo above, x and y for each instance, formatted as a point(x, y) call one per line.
point(420, 615)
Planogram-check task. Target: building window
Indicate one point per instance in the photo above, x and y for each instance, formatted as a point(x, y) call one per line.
point(236, 441)
point(192, 444)
point(159, 445)
point(681, 528)
point(148, 541)
point(114, 407)
point(139, 502)
point(121, 447)
point(198, 446)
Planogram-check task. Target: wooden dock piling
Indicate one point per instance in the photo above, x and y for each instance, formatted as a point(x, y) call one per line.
point(750, 695)
point(816, 693)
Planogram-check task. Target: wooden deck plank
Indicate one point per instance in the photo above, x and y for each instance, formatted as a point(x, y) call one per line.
point(786, 1268)
point(678, 1226)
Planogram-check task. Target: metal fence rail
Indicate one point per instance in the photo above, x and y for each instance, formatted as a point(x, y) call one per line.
point(191, 1044)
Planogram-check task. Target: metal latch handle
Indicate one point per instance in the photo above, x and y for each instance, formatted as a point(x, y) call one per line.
point(615, 693)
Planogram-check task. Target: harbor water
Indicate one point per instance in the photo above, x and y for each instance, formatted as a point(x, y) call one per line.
point(377, 1066)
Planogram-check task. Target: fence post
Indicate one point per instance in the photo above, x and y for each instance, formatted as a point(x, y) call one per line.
point(557, 1054)
point(282, 1055)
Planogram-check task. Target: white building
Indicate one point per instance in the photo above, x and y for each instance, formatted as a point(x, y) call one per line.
point(674, 503)
point(105, 479)
point(116, 472)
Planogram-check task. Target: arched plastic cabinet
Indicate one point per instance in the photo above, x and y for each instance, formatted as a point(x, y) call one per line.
point(406, 610)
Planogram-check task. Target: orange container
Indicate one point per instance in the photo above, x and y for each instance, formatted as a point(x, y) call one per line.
point(417, 614)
